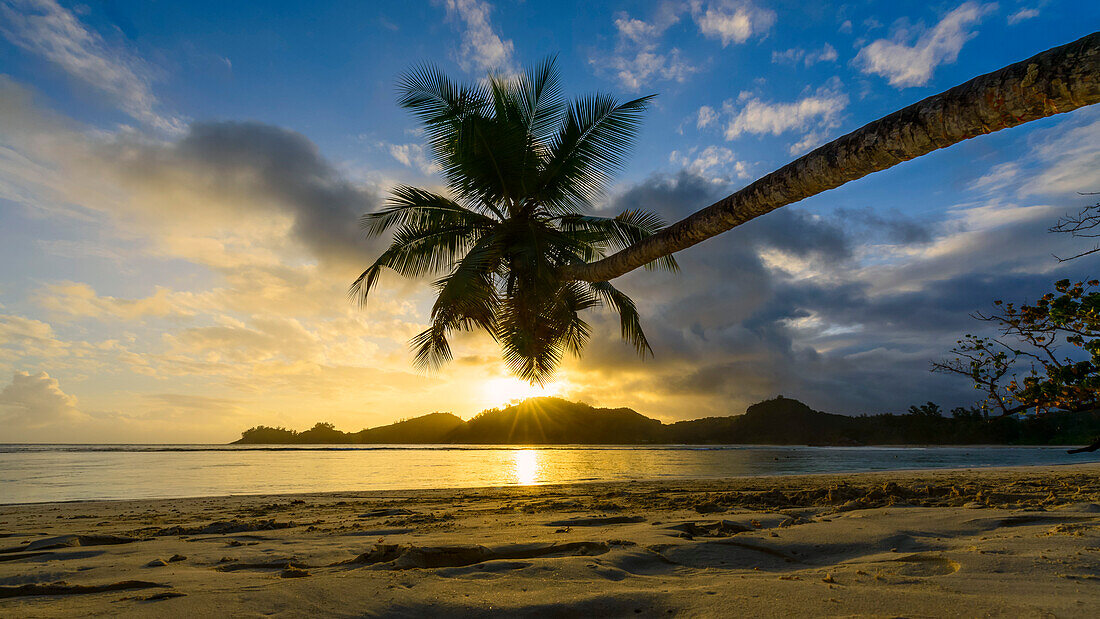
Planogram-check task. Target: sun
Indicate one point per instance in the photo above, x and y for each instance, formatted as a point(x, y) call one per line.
point(501, 391)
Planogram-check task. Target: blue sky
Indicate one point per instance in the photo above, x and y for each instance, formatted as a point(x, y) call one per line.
point(179, 184)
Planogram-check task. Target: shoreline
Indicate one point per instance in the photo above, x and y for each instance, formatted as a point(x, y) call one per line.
point(411, 492)
point(999, 541)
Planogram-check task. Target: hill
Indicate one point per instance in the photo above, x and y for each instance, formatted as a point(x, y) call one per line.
point(544, 421)
point(778, 421)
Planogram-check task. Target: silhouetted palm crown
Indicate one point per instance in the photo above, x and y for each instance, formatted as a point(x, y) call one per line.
point(522, 165)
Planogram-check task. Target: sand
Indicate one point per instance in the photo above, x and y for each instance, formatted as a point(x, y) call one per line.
point(1021, 542)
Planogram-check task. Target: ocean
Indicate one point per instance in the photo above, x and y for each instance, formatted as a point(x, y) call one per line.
point(40, 473)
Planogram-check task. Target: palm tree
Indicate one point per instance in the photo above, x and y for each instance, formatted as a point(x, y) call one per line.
point(522, 167)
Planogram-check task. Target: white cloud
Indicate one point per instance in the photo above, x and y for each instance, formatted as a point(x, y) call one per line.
point(997, 178)
point(483, 49)
point(33, 401)
point(638, 59)
point(731, 21)
point(813, 114)
point(47, 29)
point(796, 55)
point(413, 156)
point(1022, 15)
point(1070, 158)
point(907, 65)
point(809, 141)
point(645, 66)
point(715, 163)
point(707, 116)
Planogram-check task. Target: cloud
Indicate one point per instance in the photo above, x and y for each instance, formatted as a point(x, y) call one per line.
point(717, 163)
point(1069, 159)
point(906, 65)
point(1022, 15)
point(412, 155)
point(706, 117)
point(813, 115)
point(483, 49)
point(48, 30)
point(219, 192)
point(844, 308)
point(80, 300)
point(27, 336)
point(641, 58)
point(638, 59)
point(35, 401)
point(731, 21)
point(797, 55)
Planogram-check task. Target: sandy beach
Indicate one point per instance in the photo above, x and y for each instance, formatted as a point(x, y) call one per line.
point(1017, 542)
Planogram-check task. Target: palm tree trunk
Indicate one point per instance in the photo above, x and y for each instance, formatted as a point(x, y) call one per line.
point(1054, 82)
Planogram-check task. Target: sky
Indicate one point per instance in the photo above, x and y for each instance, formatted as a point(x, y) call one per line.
point(181, 182)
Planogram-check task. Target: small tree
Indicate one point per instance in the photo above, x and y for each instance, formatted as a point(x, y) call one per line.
point(1084, 224)
point(1024, 368)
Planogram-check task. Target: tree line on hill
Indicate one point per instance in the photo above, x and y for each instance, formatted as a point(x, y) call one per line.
point(778, 421)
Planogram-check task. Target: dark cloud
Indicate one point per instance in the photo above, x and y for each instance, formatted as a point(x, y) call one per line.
point(892, 228)
point(853, 337)
point(267, 167)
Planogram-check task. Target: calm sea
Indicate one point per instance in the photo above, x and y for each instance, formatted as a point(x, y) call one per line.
point(35, 473)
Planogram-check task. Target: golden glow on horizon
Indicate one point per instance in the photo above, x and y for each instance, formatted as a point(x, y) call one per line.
point(526, 466)
point(501, 391)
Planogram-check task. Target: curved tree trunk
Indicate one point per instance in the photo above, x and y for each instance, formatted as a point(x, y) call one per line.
point(1056, 81)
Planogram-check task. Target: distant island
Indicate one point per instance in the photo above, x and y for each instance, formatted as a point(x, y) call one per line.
point(778, 421)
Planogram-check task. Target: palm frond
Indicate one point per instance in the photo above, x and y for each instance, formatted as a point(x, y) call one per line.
point(629, 321)
point(540, 96)
point(621, 231)
point(467, 300)
point(410, 206)
point(590, 146)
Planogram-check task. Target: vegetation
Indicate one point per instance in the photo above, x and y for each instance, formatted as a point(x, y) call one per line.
point(520, 261)
point(1025, 368)
point(779, 421)
point(522, 167)
point(1084, 224)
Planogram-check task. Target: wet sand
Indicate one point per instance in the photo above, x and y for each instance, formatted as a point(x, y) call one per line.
point(1018, 542)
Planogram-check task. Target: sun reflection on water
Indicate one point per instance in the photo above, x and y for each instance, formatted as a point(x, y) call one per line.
point(526, 466)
